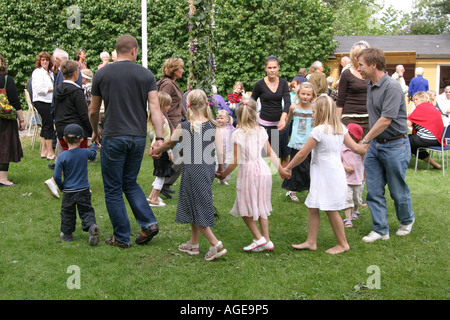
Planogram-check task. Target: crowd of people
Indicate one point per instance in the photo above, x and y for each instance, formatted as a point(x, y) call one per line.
point(328, 141)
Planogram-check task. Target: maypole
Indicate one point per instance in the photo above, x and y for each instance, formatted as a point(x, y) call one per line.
point(202, 65)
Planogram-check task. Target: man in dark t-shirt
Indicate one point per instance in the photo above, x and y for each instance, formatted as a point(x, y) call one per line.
point(126, 88)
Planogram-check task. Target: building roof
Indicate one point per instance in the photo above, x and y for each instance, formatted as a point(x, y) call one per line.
point(425, 46)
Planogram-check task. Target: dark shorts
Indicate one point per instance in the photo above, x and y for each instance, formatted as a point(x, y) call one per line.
point(278, 141)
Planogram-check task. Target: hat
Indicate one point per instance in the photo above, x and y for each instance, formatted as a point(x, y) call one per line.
point(73, 130)
point(355, 130)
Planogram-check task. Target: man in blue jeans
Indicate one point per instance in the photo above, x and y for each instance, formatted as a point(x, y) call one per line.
point(388, 147)
point(126, 88)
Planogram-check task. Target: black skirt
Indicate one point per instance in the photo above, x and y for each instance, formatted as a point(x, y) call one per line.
point(162, 167)
point(300, 179)
point(10, 146)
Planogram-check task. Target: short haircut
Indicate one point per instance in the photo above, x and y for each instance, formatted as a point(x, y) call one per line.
point(170, 66)
point(373, 55)
point(71, 139)
point(125, 43)
point(68, 68)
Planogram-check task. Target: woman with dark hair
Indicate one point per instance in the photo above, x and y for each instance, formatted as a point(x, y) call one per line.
point(42, 81)
point(271, 91)
point(80, 57)
point(10, 146)
point(172, 70)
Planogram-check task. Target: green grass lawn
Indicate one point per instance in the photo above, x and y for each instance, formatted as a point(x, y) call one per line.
point(35, 263)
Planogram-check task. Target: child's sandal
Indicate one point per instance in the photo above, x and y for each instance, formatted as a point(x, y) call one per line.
point(290, 195)
point(355, 214)
point(187, 247)
point(214, 252)
point(348, 223)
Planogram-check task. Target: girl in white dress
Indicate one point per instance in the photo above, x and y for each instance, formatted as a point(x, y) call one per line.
point(328, 190)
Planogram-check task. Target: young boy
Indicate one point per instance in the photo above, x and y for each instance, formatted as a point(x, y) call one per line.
point(354, 169)
point(73, 165)
point(69, 107)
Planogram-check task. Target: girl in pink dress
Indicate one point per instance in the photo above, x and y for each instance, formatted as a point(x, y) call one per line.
point(254, 180)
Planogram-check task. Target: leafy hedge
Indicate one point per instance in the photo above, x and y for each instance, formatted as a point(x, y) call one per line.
point(246, 32)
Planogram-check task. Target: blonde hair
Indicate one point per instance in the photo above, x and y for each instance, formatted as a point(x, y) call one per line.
point(357, 47)
point(306, 85)
point(164, 100)
point(326, 114)
point(247, 114)
point(197, 101)
point(170, 66)
point(423, 96)
point(237, 84)
point(225, 114)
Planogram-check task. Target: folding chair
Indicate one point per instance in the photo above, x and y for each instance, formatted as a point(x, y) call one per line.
point(33, 119)
point(443, 151)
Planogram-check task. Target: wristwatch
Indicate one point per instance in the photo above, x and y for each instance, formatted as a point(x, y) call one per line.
point(365, 142)
point(159, 138)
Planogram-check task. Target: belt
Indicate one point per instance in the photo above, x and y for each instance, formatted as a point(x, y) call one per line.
point(391, 139)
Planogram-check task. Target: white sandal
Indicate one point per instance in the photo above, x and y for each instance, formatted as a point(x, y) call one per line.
point(355, 214)
point(293, 198)
point(213, 252)
point(187, 247)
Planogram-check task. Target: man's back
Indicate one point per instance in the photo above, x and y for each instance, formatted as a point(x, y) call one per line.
point(124, 87)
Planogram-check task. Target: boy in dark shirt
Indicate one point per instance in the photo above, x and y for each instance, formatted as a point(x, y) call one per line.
point(72, 164)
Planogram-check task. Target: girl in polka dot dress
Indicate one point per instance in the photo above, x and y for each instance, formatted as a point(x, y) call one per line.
point(199, 139)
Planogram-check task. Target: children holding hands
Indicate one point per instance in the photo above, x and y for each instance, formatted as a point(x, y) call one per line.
point(328, 190)
point(254, 180)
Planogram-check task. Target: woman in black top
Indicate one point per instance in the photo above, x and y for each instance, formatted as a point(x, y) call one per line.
point(10, 147)
point(271, 91)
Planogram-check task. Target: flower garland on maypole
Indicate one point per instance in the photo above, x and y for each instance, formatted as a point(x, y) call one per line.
point(202, 64)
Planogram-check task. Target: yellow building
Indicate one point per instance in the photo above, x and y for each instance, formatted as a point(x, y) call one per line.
point(431, 52)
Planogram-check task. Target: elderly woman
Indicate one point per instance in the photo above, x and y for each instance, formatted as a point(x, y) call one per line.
point(352, 94)
point(42, 80)
point(272, 90)
point(10, 147)
point(427, 125)
point(172, 70)
point(104, 56)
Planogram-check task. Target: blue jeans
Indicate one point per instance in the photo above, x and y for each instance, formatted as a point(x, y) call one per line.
point(387, 163)
point(121, 159)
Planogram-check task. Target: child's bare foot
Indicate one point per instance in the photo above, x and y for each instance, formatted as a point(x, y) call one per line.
point(338, 249)
point(305, 246)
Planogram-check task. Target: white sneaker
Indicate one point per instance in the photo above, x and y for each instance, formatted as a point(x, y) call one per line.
point(52, 187)
point(403, 230)
point(267, 247)
point(374, 236)
point(256, 244)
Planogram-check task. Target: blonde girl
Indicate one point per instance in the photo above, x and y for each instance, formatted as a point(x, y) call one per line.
point(162, 166)
point(225, 125)
point(301, 114)
point(198, 139)
point(254, 179)
point(328, 190)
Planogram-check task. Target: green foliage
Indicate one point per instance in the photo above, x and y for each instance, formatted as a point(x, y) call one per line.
point(245, 33)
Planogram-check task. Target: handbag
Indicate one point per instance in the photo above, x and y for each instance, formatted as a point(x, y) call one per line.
point(7, 111)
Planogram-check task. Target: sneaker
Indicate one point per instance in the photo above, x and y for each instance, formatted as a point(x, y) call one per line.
point(66, 237)
point(256, 244)
point(52, 187)
point(403, 229)
point(374, 236)
point(267, 247)
point(147, 234)
point(94, 235)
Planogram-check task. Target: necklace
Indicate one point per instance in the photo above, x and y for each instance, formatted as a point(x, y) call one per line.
point(272, 84)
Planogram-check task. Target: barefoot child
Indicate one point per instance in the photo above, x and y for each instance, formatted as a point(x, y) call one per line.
point(197, 136)
point(254, 181)
point(328, 190)
point(73, 165)
point(354, 170)
point(302, 115)
point(162, 166)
